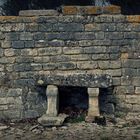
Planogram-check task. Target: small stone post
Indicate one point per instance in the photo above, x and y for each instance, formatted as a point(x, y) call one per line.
point(93, 110)
point(52, 96)
point(51, 117)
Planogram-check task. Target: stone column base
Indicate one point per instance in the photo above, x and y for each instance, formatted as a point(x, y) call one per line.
point(52, 121)
point(51, 118)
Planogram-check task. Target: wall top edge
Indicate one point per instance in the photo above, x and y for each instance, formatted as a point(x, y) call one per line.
point(73, 10)
point(102, 18)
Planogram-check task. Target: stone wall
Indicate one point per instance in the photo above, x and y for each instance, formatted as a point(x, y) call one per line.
point(82, 40)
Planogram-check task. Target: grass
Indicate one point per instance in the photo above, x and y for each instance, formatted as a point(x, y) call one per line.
point(105, 138)
point(76, 119)
point(120, 114)
point(138, 128)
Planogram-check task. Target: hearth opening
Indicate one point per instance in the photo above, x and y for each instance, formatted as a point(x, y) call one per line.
point(107, 101)
point(73, 101)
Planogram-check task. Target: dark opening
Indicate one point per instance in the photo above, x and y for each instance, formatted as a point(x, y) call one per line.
point(107, 101)
point(73, 101)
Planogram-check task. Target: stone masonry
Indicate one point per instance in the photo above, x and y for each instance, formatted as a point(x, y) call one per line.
point(81, 40)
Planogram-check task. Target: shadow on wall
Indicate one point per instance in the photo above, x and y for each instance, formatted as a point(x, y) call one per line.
point(107, 101)
point(12, 7)
point(76, 99)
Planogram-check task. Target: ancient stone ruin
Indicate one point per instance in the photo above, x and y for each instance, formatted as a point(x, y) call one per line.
point(84, 47)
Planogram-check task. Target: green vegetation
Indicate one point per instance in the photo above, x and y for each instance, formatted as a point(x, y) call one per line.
point(105, 138)
point(76, 119)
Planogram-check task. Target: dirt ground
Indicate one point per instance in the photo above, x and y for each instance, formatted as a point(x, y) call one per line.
point(69, 131)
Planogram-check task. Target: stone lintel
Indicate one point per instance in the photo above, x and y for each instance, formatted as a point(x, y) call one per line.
point(80, 80)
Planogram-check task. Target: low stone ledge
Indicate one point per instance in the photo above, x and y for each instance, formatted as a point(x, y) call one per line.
point(38, 13)
point(90, 10)
point(81, 80)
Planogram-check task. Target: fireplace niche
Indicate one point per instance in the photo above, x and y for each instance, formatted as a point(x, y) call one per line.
point(74, 102)
point(57, 92)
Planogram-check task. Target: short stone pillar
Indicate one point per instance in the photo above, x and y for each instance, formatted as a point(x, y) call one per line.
point(53, 102)
point(51, 117)
point(93, 110)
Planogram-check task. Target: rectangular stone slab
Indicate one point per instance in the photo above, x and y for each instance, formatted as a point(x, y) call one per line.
point(81, 80)
point(38, 13)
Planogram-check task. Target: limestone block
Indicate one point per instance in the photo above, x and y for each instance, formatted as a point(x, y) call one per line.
point(133, 99)
point(92, 27)
point(26, 36)
point(9, 52)
point(52, 96)
point(137, 90)
point(93, 102)
point(14, 92)
point(18, 44)
point(70, 27)
point(73, 50)
point(12, 36)
point(136, 81)
point(49, 51)
point(38, 13)
point(82, 80)
point(52, 121)
point(67, 66)
point(5, 44)
point(87, 65)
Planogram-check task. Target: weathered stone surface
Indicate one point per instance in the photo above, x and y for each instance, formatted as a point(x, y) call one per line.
point(125, 89)
point(18, 44)
point(6, 44)
point(90, 10)
point(133, 99)
point(38, 13)
point(53, 103)
point(66, 66)
point(9, 52)
point(70, 10)
point(92, 27)
point(29, 44)
point(71, 49)
point(136, 81)
point(49, 51)
point(14, 92)
point(26, 36)
point(45, 27)
point(52, 121)
point(12, 36)
point(137, 90)
point(83, 80)
point(68, 27)
point(31, 27)
point(86, 65)
point(93, 110)
point(109, 64)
